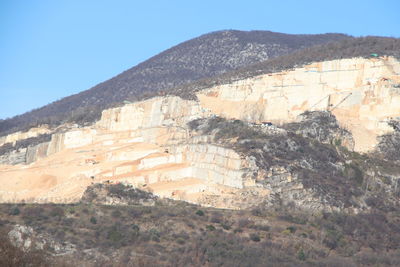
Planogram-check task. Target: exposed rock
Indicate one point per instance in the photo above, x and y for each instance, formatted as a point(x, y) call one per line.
point(156, 112)
point(117, 194)
point(389, 146)
point(26, 238)
point(21, 236)
point(37, 152)
point(17, 136)
point(180, 149)
point(295, 170)
point(205, 56)
point(322, 126)
point(358, 91)
point(14, 157)
point(395, 124)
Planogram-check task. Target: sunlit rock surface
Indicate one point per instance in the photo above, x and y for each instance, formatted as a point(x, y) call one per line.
point(149, 145)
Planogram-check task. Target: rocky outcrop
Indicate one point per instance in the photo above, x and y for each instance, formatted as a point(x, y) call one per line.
point(146, 144)
point(389, 146)
point(14, 157)
point(117, 194)
point(284, 146)
point(27, 239)
point(323, 127)
point(17, 136)
point(295, 170)
point(360, 92)
point(215, 164)
point(156, 112)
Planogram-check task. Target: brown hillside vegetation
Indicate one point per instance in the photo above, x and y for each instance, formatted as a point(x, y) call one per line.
point(170, 233)
point(347, 48)
point(78, 109)
point(205, 56)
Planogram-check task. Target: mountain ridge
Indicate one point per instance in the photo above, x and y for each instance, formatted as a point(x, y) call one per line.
point(205, 56)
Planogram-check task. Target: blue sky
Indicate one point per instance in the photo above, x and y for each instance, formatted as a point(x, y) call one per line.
point(52, 49)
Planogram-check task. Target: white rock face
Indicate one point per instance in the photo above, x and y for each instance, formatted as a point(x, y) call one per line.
point(148, 144)
point(33, 132)
point(155, 112)
point(25, 238)
point(214, 164)
point(360, 92)
point(21, 236)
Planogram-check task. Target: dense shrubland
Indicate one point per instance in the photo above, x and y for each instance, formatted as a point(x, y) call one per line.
point(180, 234)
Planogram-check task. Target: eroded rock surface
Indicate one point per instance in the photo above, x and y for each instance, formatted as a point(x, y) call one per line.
point(286, 150)
point(361, 93)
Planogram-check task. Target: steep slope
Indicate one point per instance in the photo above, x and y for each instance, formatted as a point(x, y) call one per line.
point(206, 56)
point(362, 93)
point(221, 150)
point(346, 48)
point(116, 225)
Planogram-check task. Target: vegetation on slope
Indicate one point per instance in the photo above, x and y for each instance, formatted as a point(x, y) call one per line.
point(86, 107)
point(346, 48)
point(32, 141)
point(336, 176)
point(179, 234)
point(206, 56)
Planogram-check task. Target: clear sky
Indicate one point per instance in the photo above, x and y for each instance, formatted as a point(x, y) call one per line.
point(51, 49)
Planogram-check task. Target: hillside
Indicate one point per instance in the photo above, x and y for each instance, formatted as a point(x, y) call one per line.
point(143, 230)
point(289, 162)
point(346, 48)
point(217, 152)
point(206, 56)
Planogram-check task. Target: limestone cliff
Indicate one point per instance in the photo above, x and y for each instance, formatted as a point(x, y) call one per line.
point(361, 93)
point(150, 145)
point(17, 136)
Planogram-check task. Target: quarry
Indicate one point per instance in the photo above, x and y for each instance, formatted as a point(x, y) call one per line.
point(148, 144)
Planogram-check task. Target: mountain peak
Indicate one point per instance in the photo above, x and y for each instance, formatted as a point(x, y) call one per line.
point(205, 56)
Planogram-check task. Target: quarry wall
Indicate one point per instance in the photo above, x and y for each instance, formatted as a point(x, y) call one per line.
point(361, 93)
point(149, 145)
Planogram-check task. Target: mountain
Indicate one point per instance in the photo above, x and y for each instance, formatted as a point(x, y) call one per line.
point(202, 57)
point(292, 161)
point(345, 48)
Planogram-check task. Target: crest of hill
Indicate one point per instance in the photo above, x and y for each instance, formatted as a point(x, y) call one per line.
point(346, 48)
point(202, 57)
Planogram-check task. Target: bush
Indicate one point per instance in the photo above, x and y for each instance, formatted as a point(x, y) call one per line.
point(135, 228)
point(256, 212)
point(301, 255)
point(332, 239)
point(238, 230)
point(200, 213)
point(226, 226)
point(262, 227)
point(291, 229)
point(93, 220)
point(180, 241)
point(210, 227)
point(14, 211)
point(255, 237)
point(114, 234)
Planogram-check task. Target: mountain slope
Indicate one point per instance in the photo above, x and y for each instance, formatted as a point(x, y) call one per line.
point(206, 56)
point(346, 48)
